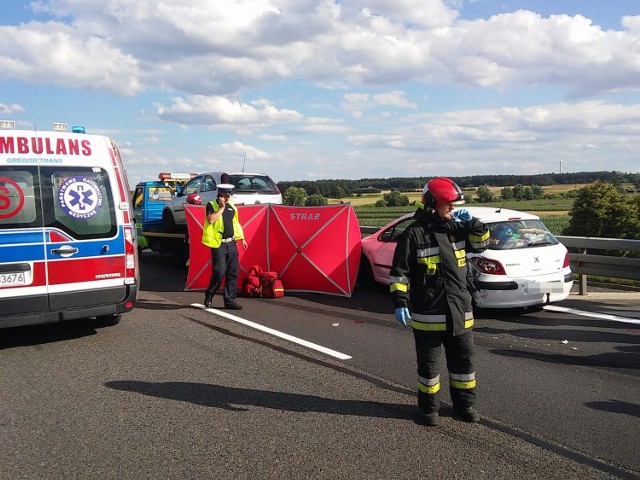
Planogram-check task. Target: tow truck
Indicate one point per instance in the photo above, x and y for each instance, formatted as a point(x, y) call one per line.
point(148, 201)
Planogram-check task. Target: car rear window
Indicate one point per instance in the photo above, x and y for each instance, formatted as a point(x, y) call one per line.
point(516, 234)
point(253, 184)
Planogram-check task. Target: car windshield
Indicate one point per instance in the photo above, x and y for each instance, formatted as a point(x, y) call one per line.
point(513, 234)
point(253, 184)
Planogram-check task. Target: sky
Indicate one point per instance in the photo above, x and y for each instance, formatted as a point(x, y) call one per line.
point(328, 89)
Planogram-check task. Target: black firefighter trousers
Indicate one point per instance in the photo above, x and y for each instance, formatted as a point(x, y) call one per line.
point(459, 352)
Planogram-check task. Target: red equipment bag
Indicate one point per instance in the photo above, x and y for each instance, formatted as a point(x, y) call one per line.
point(262, 284)
point(272, 286)
point(252, 283)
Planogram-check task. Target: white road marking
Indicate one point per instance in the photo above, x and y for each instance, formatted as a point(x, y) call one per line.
point(276, 333)
point(602, 316)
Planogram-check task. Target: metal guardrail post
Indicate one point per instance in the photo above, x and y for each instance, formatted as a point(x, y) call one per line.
point(582, 287)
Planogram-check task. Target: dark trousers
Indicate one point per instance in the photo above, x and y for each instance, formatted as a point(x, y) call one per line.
point(225, 265)
point(459, 352)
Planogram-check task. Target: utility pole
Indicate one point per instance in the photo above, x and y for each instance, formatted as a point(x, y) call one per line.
point(560, 166)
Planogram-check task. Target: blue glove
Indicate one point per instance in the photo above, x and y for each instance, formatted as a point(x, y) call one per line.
point(403, 316)
point(462, 215)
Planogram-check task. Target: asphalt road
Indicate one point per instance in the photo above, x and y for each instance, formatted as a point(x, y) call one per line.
point(179, 392)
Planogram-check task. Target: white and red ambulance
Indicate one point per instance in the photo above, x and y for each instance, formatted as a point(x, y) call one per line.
point(67, 233)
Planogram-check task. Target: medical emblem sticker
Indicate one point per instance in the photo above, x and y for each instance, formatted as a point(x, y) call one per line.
point(80, 197)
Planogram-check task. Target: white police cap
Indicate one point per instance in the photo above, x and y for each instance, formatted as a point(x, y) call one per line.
point(225, 188)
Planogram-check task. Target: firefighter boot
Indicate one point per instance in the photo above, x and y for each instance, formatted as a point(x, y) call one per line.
point(468, 414)
point(207, 301)
point(430, 419)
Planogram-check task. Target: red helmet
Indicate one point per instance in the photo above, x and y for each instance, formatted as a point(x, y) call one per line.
point(440, 190)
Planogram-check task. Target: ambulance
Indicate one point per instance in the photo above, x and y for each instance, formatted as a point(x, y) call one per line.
point(67, 235)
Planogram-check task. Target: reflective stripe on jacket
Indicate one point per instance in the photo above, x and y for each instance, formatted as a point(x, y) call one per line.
point(212, 232)
point(429, 272)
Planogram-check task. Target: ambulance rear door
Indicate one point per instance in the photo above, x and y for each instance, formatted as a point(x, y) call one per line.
point(23, 277)
point(85, 247)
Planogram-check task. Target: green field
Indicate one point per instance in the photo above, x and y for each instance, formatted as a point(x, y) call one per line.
point(552, 212)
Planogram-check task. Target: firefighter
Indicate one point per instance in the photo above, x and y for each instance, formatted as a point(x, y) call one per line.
point(428, 286)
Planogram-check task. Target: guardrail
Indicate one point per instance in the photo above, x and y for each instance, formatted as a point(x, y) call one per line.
point(584, 263)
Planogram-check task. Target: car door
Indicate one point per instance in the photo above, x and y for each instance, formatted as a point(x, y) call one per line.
point(387, 242)
point(208, 189)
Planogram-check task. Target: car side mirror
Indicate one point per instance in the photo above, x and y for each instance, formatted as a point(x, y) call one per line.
point(386, 236)
point(194, 199)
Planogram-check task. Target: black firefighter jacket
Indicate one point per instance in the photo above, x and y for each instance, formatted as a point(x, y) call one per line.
point(429, 272)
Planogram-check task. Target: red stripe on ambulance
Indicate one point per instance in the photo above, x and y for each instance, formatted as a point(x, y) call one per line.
point(86, 269)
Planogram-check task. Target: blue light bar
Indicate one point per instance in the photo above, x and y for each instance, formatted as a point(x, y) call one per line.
point(77, 129)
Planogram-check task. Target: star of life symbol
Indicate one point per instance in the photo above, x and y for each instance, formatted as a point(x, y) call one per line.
point(80, 197)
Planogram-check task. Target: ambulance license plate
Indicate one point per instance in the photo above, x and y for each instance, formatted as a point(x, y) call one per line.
point(12, 279)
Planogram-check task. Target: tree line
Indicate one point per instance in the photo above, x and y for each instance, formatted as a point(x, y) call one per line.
point(601, 209)
point(336, 188)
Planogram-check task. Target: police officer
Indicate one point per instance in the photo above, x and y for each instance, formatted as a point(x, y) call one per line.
point(221, 231)
point(429, 290)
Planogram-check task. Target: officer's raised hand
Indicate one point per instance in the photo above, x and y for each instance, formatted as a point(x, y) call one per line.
point(403, 316)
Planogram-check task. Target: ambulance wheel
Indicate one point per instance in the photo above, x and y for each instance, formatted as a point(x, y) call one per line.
point(108, 320)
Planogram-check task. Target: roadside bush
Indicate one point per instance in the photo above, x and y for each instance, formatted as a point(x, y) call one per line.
point(484, 195)
point(315, 201)
point(602, 210)
point(295, 196)
point(396, 199)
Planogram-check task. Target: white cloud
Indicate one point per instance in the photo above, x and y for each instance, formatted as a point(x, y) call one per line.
point(293, 81)
point(10, 109)
point(55, 53)
point(218, 111)
point(556, 126)
point(204, 47)
point(356, 103)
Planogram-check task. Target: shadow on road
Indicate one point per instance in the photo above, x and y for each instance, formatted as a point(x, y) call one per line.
point(147, 305)
point(238, 399)
point(623, 359)
point(41, 334)
point(616, 406)
point(560, 334)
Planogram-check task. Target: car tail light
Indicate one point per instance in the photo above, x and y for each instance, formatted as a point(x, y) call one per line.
point(129, 255)
point(566, 262)
point(491, 267)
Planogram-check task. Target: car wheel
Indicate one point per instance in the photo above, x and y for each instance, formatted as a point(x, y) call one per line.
point(168, 221)
point(365, 274)
point(108, 320)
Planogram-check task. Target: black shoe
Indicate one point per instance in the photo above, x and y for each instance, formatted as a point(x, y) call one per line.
point(468, 414)
point(233, 306)
point(207, 301)
point(430, 419)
